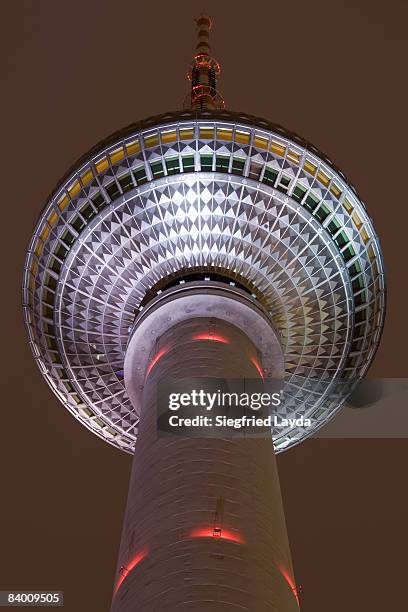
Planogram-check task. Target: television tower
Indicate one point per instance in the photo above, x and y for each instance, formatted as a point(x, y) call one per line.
point(203, 244)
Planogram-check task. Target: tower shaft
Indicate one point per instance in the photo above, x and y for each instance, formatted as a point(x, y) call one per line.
point(204, 526)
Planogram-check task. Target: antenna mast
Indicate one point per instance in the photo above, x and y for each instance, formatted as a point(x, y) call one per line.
point(203, 72)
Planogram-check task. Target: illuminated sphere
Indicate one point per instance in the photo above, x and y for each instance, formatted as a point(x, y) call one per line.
point(193, 195)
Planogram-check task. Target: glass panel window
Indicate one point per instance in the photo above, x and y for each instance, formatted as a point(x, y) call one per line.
point(293, 157)
point(341, 240)
point(133, 147)
point(68, 237)
point(238, 165)
point(55, 265)
point(299, 192)
point(348, 253)
point(61, 252)
point(260, 142)
point(284, 182)
point(206, 163)
point(334, 226)
point(309, 167)
point(221, 163)
point(126, 182)
point(358, 284)
point(354, 269)
point(99, 201)
point(117, 155)
point(269, 176)
point(157, 169)
point(47, 311)
point(140, 175)
point(50, 282)
point(242, 137)
point(113, 190)
point(78, 224)
point(87, 211)
point(311, 202)
point(224, 134)
point(102, 165)
point(173, 165)
point(188, 163)
point(169, 136)
point(187, 134)
point(322, 213)
point(255, 170)
point(206, 133)
point(151, 141)
point(278, 148)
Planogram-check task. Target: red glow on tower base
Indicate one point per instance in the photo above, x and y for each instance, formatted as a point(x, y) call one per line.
point(256, 363)
point(126, 569)
point(156, 358)
point(290, 582)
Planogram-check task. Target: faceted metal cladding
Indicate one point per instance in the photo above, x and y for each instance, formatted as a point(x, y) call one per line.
point(218, 192)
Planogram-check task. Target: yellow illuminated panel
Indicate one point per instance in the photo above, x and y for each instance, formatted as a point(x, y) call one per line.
point(277, 148)
point(336, 191)
point(74, 189)
point(348, 206)
point(365, 235)
point(133, 147)
point(357, 221)
point(242, 137)
point(309, 167)
point(187, 134)
point(87, 176)
point(117, 155)
point(52, 218)
point(31, 284)
point(45, 233)
point(260, 142)
point(169, 136)
point(34, 267)
point(293, 156)
point(370, 252)
point(224, 134)
point(323, 178)
point(38, 248)
point(207, 133)
point(101, 165)
point(63, 202)
point(151, 141)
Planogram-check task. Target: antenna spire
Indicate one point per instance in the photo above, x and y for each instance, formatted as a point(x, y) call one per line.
point(203, 72)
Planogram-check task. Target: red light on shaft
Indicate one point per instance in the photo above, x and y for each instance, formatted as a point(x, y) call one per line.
point(156, 358)
point(210, 336)
point(256, 363)
point(223, 534)
point(290, 582)
point(126, 569)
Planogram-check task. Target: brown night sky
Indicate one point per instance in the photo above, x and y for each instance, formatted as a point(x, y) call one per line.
point(73, 72)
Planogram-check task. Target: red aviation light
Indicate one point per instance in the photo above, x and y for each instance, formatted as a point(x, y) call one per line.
point(219, 533)
point(211, 336)
point(290, 582)
point(126, 569)
point(156, 358)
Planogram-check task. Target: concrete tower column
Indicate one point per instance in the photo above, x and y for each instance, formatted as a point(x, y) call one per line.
point(204, 526)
